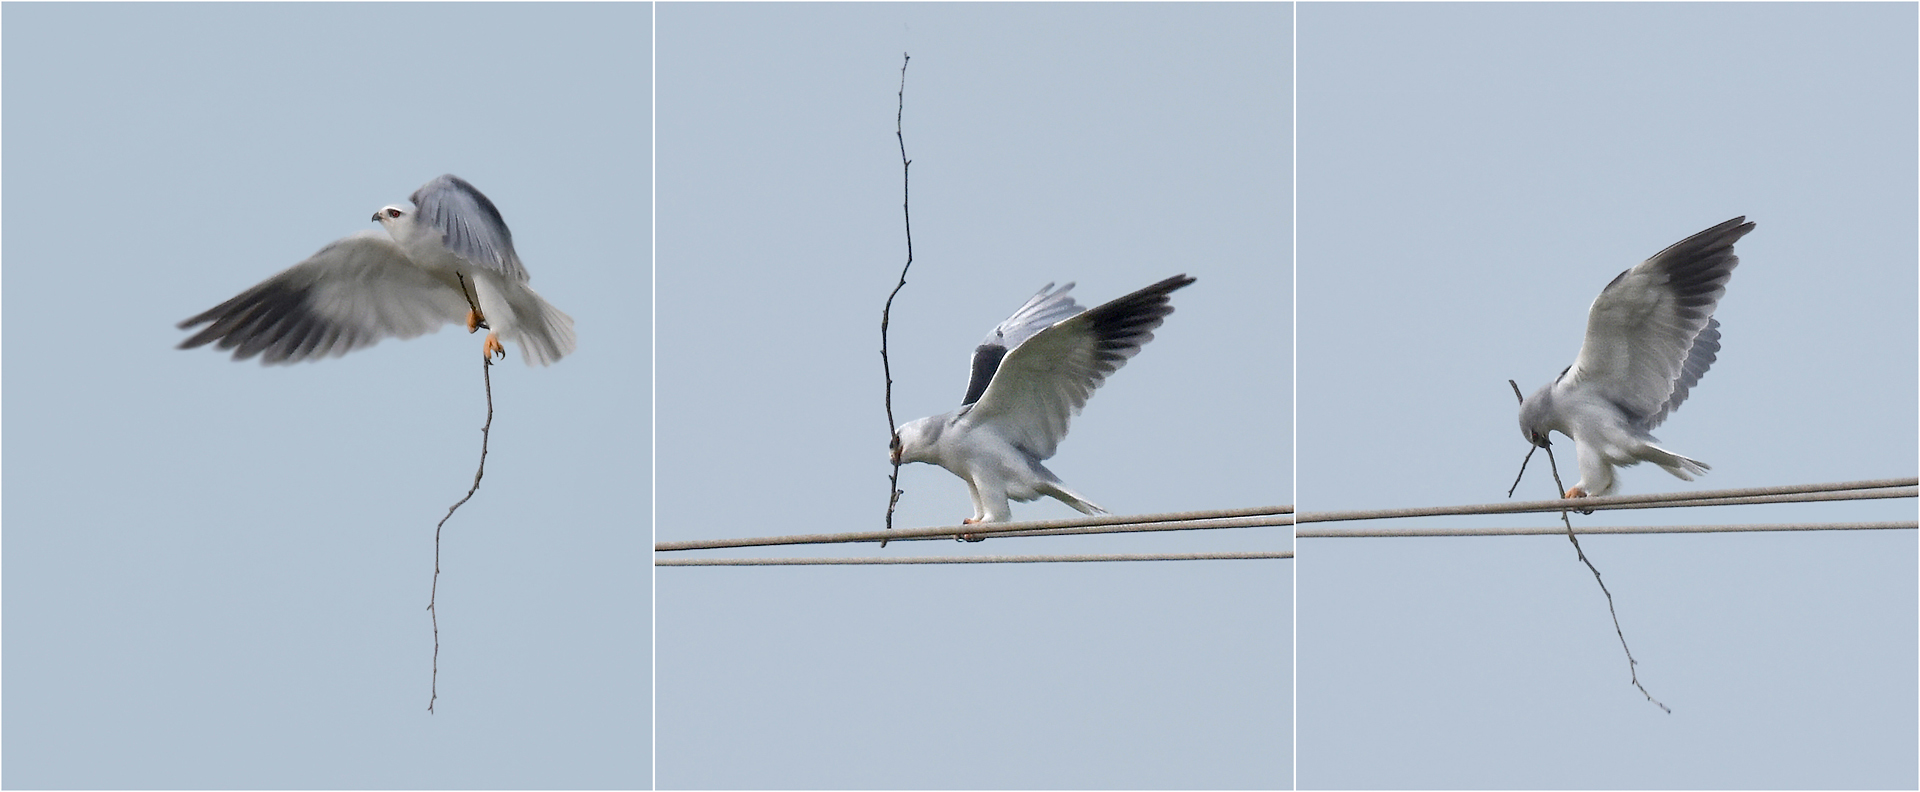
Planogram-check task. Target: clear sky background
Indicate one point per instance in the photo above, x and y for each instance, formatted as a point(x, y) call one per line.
point(1112, 145)
point(1470, 177)
point(215, 572)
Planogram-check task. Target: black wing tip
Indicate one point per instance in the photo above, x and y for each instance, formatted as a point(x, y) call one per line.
point(1701, 261)
point(1160, 292)
point(1719, 236)
point(1179, 281)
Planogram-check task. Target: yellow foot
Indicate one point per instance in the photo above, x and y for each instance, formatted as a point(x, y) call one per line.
point(1575, 492)
point(474, 320)
point(968, 521)
point(493, 347)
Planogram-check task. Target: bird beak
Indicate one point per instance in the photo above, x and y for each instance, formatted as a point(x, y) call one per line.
point(376, 217)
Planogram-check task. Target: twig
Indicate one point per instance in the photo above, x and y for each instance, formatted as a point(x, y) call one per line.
point(1531, 447)
point(486, 374)
point(893, 481)
point(1632, 664)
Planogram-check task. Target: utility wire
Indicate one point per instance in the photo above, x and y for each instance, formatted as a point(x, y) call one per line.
point(1265, 521)
point(1278, 516)
point(1016, 559)
point(1330, 533)
point(1879, 488)
point(1264, 516)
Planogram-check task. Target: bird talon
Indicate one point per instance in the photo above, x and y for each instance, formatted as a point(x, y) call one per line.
point(475, 321)
point(493, 348)
point(1576, 492)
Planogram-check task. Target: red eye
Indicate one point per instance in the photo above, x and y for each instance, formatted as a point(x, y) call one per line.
point(392, 212)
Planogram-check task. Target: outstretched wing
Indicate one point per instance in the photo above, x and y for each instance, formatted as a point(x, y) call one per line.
point(1038, 386)
point(1651, 333)
point(1042, 311)
point(349, 295)
point(468, 225)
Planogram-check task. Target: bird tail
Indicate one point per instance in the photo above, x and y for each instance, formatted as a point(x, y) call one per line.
point(1073, 499)
point(546, 334)
point(1676, 464)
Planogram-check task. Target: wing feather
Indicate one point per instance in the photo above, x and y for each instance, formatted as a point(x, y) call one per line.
point(1040, 312)
point(469, 225)
point(1047, 378)
point(351, 294)
point(1651, 333)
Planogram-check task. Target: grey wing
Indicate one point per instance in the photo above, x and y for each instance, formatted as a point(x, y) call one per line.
point(1045, 380)
point(1040, 312)
point(1651, 333)
point(1705, 349)
point(469, 225)
point(349, 295)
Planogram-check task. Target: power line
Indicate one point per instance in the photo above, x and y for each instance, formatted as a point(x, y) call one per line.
point(1255, 517)
point(1014, 559)
point(1878, 488)
point(1328, 533)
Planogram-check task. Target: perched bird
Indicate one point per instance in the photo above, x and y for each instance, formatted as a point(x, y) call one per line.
point(1030, 376)
point(448, 259)
point(1650, 336)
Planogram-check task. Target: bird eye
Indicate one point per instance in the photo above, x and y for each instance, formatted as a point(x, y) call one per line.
point(392, 212)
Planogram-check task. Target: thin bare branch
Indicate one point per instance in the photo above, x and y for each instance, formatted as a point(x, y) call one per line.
point(486, 375)
point(1529, 457)
point(886, 314)
point(1632, 664)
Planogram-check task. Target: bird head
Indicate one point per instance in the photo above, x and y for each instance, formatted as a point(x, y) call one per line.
point(388, 214)
point(1536, 415)
point(914, 440)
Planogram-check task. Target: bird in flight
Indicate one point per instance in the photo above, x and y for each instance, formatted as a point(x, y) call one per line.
point(447, 259)
point(1029, 377)
point(1650, 336)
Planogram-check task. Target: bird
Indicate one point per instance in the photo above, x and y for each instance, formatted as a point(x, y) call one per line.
point(448, 258)
point(1029, 377)
point(1651, 335)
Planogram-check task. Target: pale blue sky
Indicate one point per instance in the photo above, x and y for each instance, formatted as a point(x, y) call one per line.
point(1497, 165)
point(215, 572)
point(1112, 145)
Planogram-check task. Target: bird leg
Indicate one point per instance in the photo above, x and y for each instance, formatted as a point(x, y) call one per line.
point(1576, 492)
point(970, 537)
point(474, 318)
point(493, 347)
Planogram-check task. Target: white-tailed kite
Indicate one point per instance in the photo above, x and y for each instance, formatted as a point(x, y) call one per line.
point(448, 259)
point(1030, 376)
point(1650, 336)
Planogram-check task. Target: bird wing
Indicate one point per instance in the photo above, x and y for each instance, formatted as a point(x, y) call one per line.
point(469, 225)
point(349, 295)
point(1651, 333)
point(1042, 311)
point(1038, 386)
